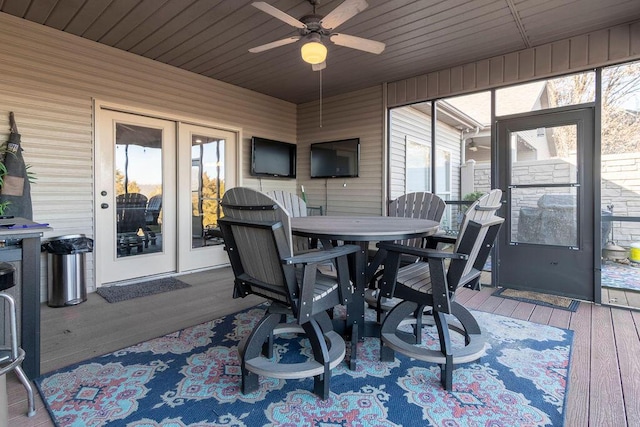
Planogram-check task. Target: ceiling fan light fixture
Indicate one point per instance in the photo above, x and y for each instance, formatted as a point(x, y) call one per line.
point(313, 51)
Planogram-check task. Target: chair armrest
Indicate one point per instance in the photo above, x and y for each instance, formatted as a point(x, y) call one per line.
point(309, 261)
point(314, 257)
point(420, 252)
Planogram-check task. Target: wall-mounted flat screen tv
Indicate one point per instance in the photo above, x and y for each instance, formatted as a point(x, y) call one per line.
point(335, 159)
point(272, 158)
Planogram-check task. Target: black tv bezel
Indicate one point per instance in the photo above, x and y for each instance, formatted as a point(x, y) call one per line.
point(293, 152)
point(350, 175)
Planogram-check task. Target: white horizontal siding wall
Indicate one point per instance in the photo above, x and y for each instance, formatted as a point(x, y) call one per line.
point(610, 46)
point(407, 123)
point(49, 79)
point(357, 114)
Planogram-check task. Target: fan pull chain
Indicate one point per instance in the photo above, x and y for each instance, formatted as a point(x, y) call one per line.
point(320, 98)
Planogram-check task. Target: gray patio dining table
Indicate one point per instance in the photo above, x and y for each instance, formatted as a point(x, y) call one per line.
point(360, 230)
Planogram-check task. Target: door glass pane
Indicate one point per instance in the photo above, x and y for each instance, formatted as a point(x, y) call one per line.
point(545, 216)
point(545, 155)
point(207, 187)
point(138, 180)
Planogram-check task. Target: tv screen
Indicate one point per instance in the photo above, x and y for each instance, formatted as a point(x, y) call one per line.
point(335, 159)
point(272, 158)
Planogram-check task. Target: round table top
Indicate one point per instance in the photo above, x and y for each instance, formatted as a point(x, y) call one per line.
point(362, 228)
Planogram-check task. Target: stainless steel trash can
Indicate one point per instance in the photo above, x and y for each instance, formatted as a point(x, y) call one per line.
point(66, 284)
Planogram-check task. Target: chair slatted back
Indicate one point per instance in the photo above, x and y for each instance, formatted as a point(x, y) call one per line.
point(153, 209)
point(296, 207)
point(257, 236)
point(235, 200)
point(474, 242)
point(255, 249)
point(130, 212)
point(419, 205)
point(290, 201)
point(483, 208)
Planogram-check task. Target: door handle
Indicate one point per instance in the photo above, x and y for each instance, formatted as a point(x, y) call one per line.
point(104, 205)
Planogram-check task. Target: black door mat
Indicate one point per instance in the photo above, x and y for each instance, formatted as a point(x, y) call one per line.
point(547, 300)
point(125, 292)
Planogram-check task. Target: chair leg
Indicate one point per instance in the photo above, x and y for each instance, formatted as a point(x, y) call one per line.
point(354, 348)
point(466, 319)
point(321, 355)
point(324, 320)
point(390, 326)
point(252, 348)
point(267, 347)
point(446, 370)
point(379, 307)
point(18, 353)
point(417, 328)
point(27, 385)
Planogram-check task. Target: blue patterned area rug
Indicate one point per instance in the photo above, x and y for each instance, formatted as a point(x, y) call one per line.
point(621, 276)
point(191, 379)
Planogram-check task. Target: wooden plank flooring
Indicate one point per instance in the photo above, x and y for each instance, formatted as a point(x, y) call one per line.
point(604, 385)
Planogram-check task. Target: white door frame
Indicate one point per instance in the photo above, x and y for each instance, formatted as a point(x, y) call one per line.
point(98, 106)
point(190, 258)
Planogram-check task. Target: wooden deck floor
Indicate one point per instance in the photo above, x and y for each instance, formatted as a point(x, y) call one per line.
point(604, 385)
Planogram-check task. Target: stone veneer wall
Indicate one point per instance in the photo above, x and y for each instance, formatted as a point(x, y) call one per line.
point(620, 187)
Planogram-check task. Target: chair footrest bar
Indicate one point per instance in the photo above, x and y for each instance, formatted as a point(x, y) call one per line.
point(473, 351)
point(268, 368)
point(13, 363)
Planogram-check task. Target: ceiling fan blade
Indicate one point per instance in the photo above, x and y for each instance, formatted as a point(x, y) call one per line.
point(277, 13)
point(359, 43)
point(320, 66)
point(276, 43)
point(342, 13)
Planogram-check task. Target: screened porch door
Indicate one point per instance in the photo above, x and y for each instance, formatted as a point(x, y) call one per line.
point(545, 170)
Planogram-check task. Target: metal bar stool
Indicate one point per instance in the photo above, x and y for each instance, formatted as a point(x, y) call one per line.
point(11, 357)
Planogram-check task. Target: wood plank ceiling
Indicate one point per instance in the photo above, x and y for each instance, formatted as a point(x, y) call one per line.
point(212, 37)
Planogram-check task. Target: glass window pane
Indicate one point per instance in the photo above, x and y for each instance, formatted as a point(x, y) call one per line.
point(207, 187)
point(544, 156)
point(409, 131)
point(546, 216)
point(418, 172)
point(559, 92)
point(443, 174)
point(138, 180)
point(620, 177)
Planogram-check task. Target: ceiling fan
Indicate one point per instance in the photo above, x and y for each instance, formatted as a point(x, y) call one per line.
point(474, 147)
point(313, 29)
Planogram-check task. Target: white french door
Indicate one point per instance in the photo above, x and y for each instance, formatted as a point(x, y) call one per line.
point(135, 161)
point(207, 165)
point(158, 189)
